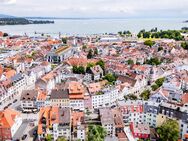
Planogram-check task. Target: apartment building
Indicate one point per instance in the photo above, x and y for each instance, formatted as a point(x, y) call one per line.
point(55, 121)
point(107, 121)
point(60, 98)
point(29, 100)
point(76, 95)
point(10, 121)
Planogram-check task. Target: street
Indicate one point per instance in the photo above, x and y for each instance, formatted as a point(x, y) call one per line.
point(28, 126)
point(13, 105)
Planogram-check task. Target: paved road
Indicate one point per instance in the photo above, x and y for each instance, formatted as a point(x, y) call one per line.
point(17, 97)
point(26, 127)
point(20, 132)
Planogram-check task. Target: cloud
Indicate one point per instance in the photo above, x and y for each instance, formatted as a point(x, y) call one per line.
point(95, 8)
point(7, 2)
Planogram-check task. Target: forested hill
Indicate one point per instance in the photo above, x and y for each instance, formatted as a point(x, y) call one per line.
point(21, 21)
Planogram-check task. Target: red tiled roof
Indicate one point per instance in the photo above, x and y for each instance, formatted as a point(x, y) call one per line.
point(7, 118)
point(185, 98)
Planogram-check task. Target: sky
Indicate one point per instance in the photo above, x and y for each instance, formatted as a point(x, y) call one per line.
point(96, 8)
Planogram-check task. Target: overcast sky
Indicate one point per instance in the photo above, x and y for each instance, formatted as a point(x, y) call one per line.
point(96, 8)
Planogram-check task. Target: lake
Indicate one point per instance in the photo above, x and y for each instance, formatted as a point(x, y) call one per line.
point(94, 26)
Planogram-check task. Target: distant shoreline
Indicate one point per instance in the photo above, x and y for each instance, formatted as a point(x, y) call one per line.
point(22, 21)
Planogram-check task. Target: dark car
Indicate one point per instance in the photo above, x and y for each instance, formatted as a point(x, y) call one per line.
point(113, 106)
point(34, 132)
point(5, 107)
point(24, 137)
point(9, 104)
point(15, 101)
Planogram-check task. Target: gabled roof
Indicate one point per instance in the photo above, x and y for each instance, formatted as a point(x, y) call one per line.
point(96, 69)
point(7, 118)
point(29, 95)
point(53, 115)
point(59, 94)
point(126, 79)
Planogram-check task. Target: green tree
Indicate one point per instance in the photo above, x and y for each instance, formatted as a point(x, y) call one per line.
point(48, 137)
point(169, 131)
point(131, 97)
point(110, 78)
point(149, 43)
point(89, 65)
point(96, 133)
point(130, 62)
point(139, 35)
point(146, 34)
point(160, 48)
point(61, 139)
point(154, 87)
point(90, 54)
point(84, 47)
point(96, 51)
point(33, 53)
point(145, 95)
point(160, 81)
point(184, 45)
point(101, 64)
point(64, 40)
point(78, 69)
point(126, 32)
point(120, 33)
point(155, 35)
point(153, 61)
point(169, 34)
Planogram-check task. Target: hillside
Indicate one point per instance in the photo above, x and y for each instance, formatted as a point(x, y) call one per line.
point(21, 21)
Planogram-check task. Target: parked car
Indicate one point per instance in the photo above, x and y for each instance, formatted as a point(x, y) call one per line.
point(24, 137)
point(34, 132)
point(113, 106)
point(9, 104)
point(15, 101)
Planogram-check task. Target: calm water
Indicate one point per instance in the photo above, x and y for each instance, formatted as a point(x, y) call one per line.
point(93, 26)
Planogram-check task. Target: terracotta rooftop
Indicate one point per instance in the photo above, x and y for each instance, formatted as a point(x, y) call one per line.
point(118, 119)
point(7, 118)
point(94, 87)
point(52, 115)
point(77, 117)
point(76, 90)
point(41, 96)
point(184, 98)
point(10, 73)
